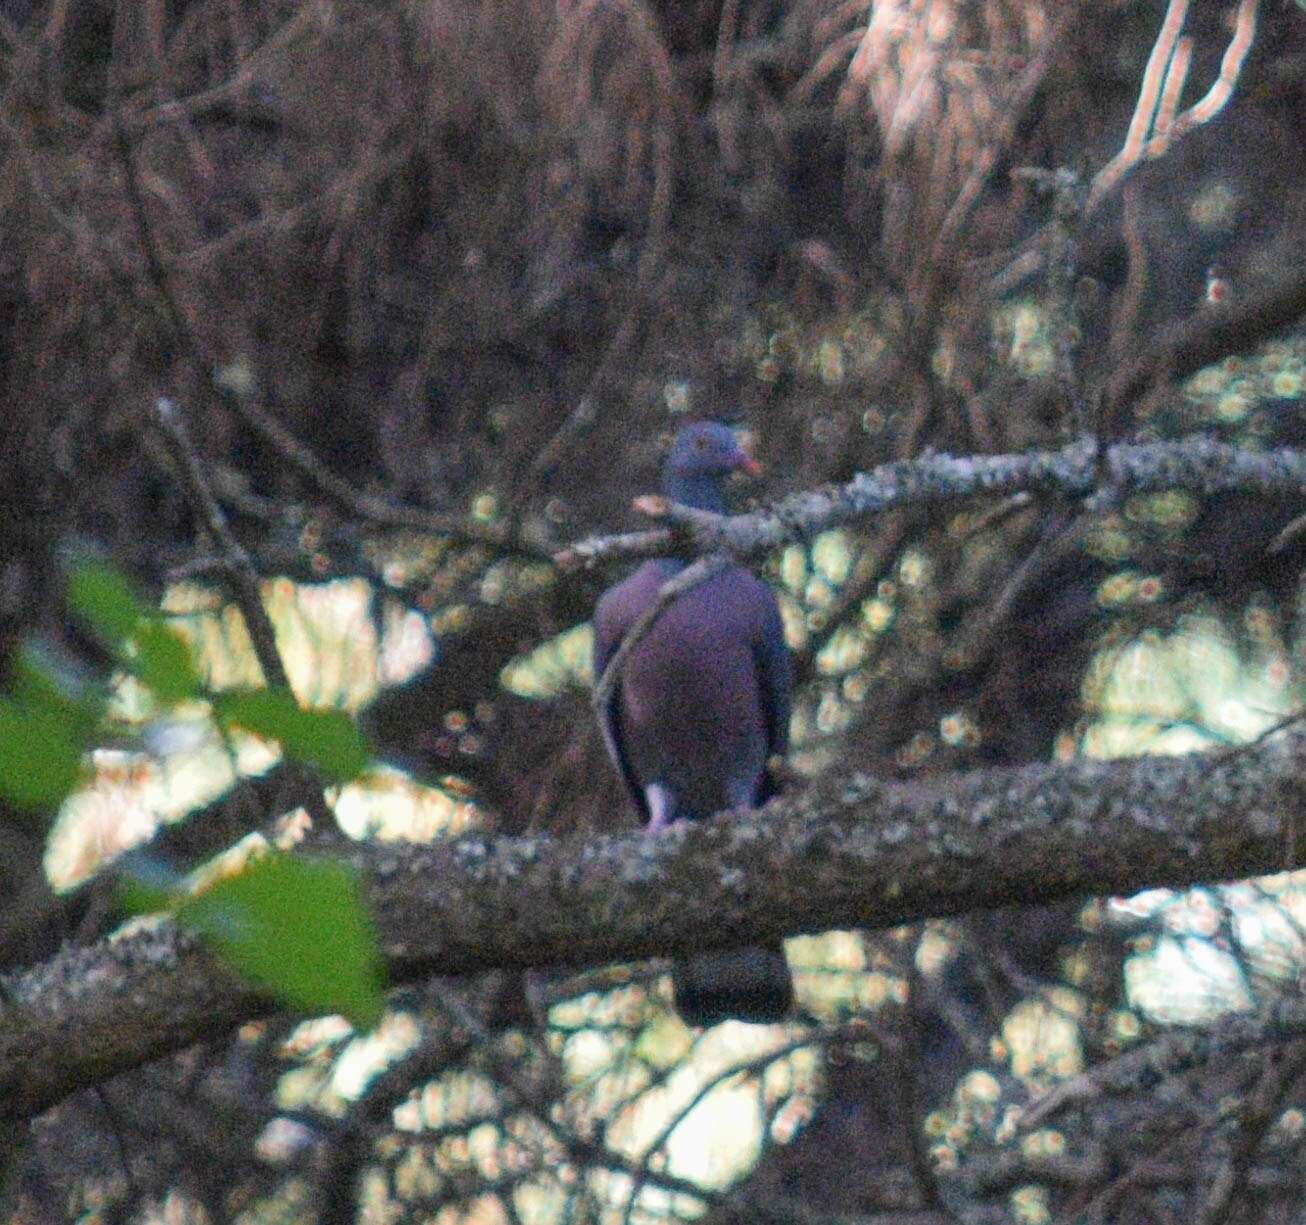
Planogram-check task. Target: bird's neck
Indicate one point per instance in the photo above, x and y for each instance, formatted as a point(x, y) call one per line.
point(700, 490)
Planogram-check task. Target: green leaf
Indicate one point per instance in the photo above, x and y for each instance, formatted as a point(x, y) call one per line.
point(104, 598)
point(163, 661)
point(299, 928)
point(327, 739)
point(40, 757)
point(144, 643)
point(135, 898)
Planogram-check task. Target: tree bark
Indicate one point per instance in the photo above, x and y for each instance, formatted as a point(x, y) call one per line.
point(850, 851)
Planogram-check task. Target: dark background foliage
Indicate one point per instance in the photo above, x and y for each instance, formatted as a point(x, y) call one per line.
point(475, 261)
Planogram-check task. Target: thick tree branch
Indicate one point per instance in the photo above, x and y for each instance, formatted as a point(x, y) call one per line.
point(1197, 462)
point(850, 852)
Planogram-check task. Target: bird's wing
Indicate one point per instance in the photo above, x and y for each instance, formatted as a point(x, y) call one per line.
point(609, 629)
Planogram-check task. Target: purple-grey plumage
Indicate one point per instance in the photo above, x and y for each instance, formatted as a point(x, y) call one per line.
point(703, 699)
point(701, 704)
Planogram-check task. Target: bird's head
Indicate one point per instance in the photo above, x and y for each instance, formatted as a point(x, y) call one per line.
point(703, 454)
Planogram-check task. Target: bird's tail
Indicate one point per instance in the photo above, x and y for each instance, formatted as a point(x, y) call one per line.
point(748, 984)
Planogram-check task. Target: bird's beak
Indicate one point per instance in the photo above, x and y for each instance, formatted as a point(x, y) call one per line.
point(751, 466)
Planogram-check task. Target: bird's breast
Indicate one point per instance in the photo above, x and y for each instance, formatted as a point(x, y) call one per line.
point(691, 707)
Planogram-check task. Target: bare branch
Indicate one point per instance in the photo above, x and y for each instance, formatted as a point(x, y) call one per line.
point(1077, 471)
point(238, 571)
point(1155, 126)
point(1140, 1069)
point(1230, 327)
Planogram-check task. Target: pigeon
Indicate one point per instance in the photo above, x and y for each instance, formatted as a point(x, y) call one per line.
point(700, 706)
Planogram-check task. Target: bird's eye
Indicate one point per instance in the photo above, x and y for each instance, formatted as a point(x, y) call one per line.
point(702, 442)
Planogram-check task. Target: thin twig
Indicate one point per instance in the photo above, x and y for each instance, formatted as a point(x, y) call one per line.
point(660, 93)
point(238, 571)
point(379, 511)
point(690, 577)
point(1231, 65)
point(855, 1030)
point(1233, 326)
point(1290, 532)
point(581, 1149)
point(1154, 126)
point(376, 510)
point(1169, 1055)
point(1250, 1125)
point(239, 568)
point(1017, 107)
point(183, 333)
point(1140, 126)
point(908, 1067)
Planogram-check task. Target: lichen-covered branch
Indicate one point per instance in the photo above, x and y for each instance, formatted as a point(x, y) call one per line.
point(851, 851)
point(1076, 472)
